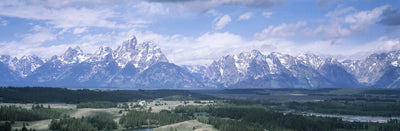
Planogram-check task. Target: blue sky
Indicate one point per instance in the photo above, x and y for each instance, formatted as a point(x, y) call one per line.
point(200, 31)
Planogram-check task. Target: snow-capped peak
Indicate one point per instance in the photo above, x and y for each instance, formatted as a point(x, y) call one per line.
point(104, 53)
point(128, 45)
point(70, 52)
point(195, 68)
point(22, 66)
point(74, 55)
point(4, 58)
point(103, 50)
point(311, 60)
point(141, 55)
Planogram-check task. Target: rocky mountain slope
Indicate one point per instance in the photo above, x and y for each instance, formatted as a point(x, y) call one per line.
point(137, 65)
point(143, 65)
point(276, 70)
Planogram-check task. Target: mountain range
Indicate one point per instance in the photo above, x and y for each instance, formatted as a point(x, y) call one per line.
point(143, 65)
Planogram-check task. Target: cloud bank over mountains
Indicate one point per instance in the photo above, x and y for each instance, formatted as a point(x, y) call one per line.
point(192, 32)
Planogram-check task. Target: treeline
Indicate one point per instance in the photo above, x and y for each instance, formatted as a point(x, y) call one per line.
point(83, 124)
point(392, 125)
point(256, 117)
point(273, 120)
point(47, 94)
point(395, 92)
point(232, 125)
point(187, 97)
point(97, 104)
point(142, 119)
point(6, 126)
point(190, 110)
point(14, 113)
point(348, 107)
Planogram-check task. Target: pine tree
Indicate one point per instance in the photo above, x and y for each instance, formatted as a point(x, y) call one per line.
point(24, 127)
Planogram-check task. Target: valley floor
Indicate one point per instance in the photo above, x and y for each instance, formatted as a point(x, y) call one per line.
point(354, 106)
point(72, 111)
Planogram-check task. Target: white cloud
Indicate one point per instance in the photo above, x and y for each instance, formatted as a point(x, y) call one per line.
point(245, 16)
point(360, 21)
point(39, 37)
point(267, 14)
point(339, 48)
point(205, 5)
point(339, 12)
point(214, 12)
point(3, 22)
point(328, 31)
point(151, 9)
point(79, 30)
point(70, 17)
point(17, 49)
point(382, 44)
point(32, 44)
point(283, 30)
point(221, 22)
point(203, 49)
point(346, 22)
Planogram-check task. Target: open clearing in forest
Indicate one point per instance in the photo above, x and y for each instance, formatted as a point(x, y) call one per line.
point(187, 126)
point(52, 105)
point(158, 105)
point(88, 112)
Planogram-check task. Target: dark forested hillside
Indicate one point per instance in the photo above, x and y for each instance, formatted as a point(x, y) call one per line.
point(46, 94)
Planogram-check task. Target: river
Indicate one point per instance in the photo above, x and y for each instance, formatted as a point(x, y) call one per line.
point(350, 118)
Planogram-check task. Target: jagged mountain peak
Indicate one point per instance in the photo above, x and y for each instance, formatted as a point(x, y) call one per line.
point(311, 60)
point(253, 52)
point(274, 70)
point(277, 54)
point(135, 64)
point(128, 45)
point(141, 55)
point(104, 53)
point(369, 70)
point(22, 66)
point(31, 58)
point(248, 55)
point(73, 55)
point(5, 58)
point(103, 50)
point(379, 56)
point(73, 51)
